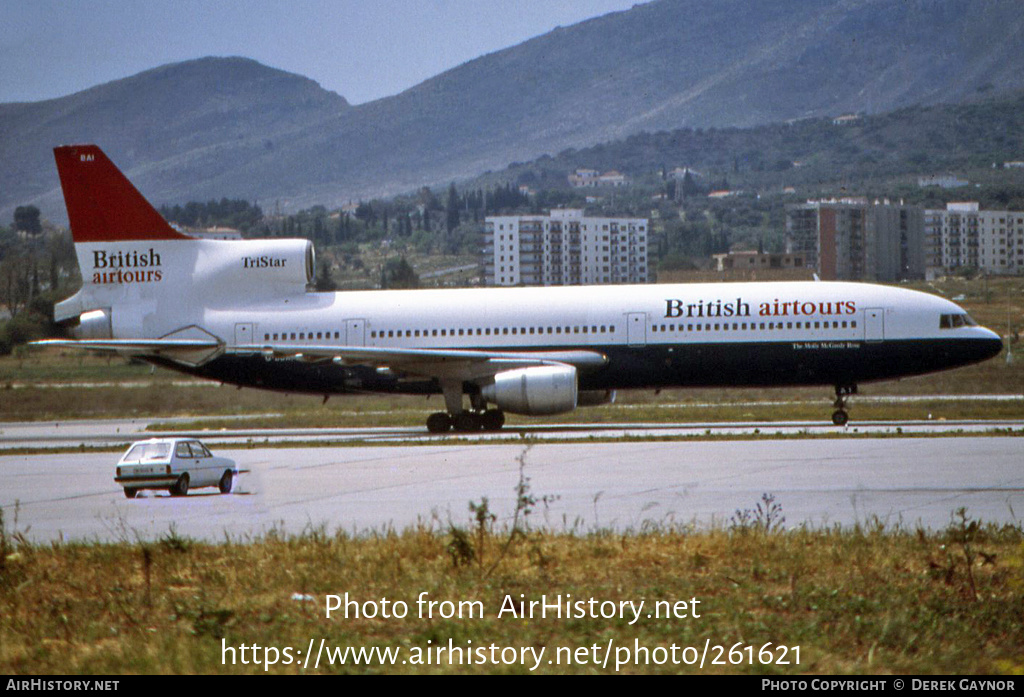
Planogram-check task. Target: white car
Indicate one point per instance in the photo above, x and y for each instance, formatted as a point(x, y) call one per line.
point(175, 464)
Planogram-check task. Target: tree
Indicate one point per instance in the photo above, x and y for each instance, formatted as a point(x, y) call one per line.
point(452, 209)
point(324, 278)
point(26, 219)
point(15, 283)
point(398, 274)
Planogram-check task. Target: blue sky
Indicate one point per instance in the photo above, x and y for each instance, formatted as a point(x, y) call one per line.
point(361, 49)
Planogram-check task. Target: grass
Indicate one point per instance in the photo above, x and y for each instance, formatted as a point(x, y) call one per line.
point(862, 600)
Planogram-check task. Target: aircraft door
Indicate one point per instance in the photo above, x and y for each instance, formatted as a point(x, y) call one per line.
point(243, 333)
point(874, 324)
point(355, 332)
point(636, 329)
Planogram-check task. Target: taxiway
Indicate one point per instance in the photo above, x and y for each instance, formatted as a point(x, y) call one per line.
point(580, 486)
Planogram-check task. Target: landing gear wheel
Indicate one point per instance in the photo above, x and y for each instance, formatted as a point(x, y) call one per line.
point(493, 419)
point(180, 487)
point(466, 422)
point(839, 416)
point(225, 482)
point(130, 493)
point(439, 422)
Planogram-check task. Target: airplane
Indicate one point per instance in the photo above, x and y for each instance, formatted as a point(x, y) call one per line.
point(242, 312)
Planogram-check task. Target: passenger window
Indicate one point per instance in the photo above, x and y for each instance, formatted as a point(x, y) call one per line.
point(182, 450)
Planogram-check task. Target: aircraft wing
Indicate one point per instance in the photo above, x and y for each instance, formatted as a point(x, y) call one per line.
point(456, 364)
point(461, 364)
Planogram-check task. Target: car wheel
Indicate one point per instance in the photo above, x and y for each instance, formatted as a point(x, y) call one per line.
point(130, 493)
point(225, 482)
point(180, 487)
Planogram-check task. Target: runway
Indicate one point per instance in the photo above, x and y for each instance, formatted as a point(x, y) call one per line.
point(42, 435)
point(579, 487)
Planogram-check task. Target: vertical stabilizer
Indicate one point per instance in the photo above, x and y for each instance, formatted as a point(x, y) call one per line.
point(103, 206)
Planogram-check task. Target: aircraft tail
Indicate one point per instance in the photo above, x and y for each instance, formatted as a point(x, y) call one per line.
point(103, 206)
point(143, 278)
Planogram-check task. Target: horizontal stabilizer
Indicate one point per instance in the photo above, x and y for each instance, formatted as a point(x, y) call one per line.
point(191, 346)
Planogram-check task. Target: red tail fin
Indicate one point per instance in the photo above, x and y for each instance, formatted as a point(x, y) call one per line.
point(102, 204)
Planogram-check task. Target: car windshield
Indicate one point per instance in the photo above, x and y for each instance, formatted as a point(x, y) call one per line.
point(148, 451)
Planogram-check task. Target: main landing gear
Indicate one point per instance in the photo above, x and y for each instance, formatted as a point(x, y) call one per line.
point(839, 416)
point(466, 421)
point(478, 418)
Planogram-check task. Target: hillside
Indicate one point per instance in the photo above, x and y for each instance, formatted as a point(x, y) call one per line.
point(173, 129)
point(867, 154)
point(228, 127)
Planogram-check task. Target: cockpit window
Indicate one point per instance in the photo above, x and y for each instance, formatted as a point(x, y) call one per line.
point(953, 321)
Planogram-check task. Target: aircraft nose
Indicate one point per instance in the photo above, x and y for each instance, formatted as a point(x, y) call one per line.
point(989, 344)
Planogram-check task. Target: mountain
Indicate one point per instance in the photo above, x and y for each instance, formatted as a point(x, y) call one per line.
point(230, 127)
point(174, 129)
point(878, 154)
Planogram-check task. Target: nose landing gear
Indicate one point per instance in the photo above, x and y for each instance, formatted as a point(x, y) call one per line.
point(839, 416)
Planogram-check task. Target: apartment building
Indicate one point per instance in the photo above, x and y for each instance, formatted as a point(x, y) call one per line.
point(564, 248)
point(856, 239)
point(964, 237)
